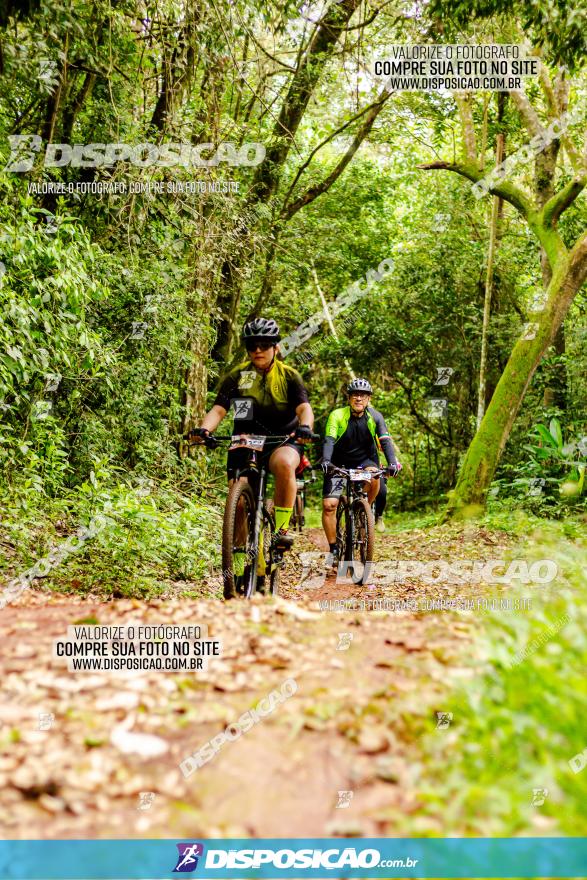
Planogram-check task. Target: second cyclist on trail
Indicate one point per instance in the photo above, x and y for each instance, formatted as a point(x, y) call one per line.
point(269, 398)
point(352, 438)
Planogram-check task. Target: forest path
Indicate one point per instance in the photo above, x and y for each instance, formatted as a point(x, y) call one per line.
point(369, 685)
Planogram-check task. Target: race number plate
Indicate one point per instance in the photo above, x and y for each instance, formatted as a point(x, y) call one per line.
point(360, 476)
point(250, 441)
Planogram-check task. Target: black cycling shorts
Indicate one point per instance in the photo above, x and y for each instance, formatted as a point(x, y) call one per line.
point(334, 485)
point(237, 459)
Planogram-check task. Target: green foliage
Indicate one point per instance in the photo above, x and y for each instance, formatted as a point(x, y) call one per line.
point(557, 25)
point(550, 479)
point(48, 348)
point(88, 401)
point(516, 728)
point(156, 540)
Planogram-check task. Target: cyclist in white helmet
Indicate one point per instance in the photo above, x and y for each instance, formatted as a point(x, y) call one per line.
point(352, 436)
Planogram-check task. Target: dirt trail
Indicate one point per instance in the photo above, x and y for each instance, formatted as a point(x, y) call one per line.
point(354, 725)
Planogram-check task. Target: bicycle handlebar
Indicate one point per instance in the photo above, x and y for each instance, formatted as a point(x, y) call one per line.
point(345, 472)
point(213, 441)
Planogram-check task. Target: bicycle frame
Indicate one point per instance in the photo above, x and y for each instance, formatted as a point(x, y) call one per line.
point(257, 477)
point(260, 477)
point(354, 490)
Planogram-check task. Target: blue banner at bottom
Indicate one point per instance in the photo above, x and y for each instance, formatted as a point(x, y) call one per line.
point(535, 857)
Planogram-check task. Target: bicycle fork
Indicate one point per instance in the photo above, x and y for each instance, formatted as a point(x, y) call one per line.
point(257, 533)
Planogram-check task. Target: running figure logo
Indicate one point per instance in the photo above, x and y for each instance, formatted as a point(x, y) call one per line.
point(443, 374)
point(243, 408)
point(344, 800)
point(443, 720)
point(246, 379)
point(187, 861)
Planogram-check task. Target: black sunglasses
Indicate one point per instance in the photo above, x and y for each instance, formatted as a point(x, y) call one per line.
point(263, 346)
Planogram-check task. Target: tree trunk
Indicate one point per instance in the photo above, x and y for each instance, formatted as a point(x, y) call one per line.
point(196, 380)
point(268, 174)
point(564, 272)
point(54, 99)
point(486, 447)
point(555, 393)
point(75, 106)
point(495, 210)
point(199, 338)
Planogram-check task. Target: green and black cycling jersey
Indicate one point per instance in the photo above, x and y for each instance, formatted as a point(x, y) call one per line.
point(273, 397)
point(351, 440)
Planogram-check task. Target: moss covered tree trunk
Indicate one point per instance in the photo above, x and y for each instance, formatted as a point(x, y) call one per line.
point(563, 270)
point(481, 460)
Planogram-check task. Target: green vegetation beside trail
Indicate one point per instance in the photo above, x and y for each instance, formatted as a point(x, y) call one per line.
point(517, 724)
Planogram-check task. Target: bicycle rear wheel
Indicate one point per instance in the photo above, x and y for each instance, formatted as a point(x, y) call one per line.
point(363, 539)
point(238, 556)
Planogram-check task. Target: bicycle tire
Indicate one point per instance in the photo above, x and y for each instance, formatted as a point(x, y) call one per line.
point(275, 580)
point(273, 577)
point(363, 538)
point(239, 490)
point(342, 524)
point(298, 513)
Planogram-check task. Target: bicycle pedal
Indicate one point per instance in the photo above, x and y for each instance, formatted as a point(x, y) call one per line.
point(282, 541)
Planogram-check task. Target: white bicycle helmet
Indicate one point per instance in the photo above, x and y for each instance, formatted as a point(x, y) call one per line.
point(261, 328)
point(359, 385)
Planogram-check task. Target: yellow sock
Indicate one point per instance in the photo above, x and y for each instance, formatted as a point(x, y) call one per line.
point(261, 567)
point(238, 564)
point(282, 517)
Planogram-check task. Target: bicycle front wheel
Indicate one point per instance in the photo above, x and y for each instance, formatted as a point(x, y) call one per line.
point(298, 515)
point(238, 554)
point(342, 528)
point(363, 539)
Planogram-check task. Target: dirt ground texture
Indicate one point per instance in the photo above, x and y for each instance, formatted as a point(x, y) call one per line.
point(369, 684)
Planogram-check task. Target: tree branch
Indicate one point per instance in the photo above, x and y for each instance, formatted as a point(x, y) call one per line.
point(416, 414)
point(303, 167)
point(577, 161)
point(506, 191)
point(548, 89)
point(301, 87)
point(562, 200)
point(314, 191)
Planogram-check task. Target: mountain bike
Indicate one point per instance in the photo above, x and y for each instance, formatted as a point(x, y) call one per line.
point(355, 525)
point(298, 517)
point(249, 549)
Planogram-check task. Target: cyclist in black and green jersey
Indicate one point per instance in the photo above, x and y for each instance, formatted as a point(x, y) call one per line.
point(268, 397)
point(352, 438)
